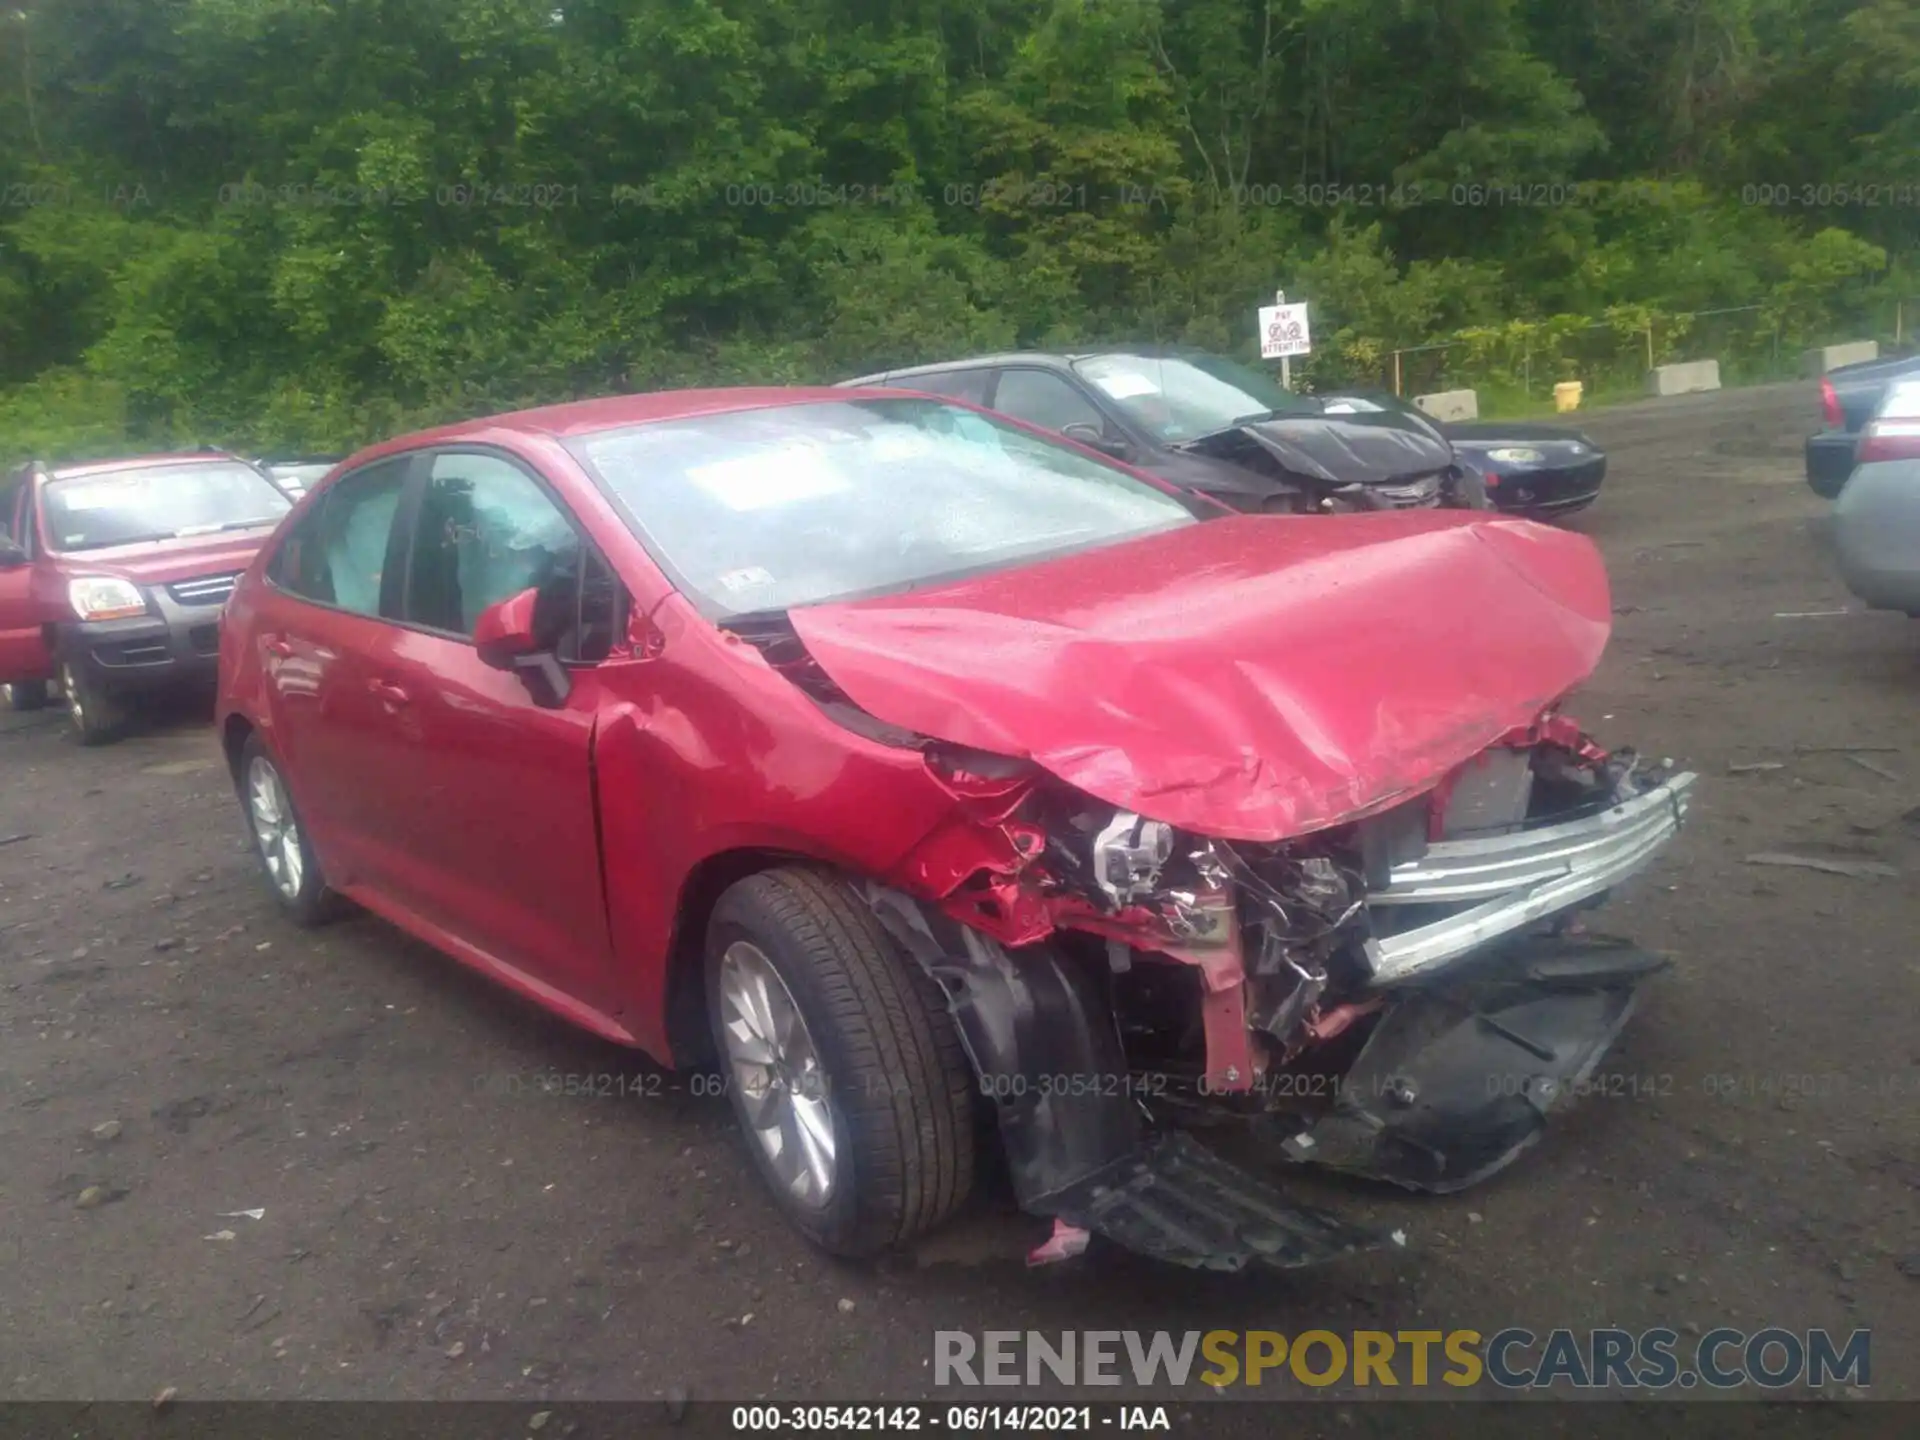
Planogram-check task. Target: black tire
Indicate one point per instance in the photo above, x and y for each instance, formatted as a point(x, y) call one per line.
point(899, 1084)
point(311, 902)
point(98, 717)
point(25, 695)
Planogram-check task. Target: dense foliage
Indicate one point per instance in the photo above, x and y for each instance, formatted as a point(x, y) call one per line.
point(304, 222)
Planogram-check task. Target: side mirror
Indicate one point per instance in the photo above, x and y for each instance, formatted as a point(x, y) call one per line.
point(11, 555)
point(1094, 438)
point(507, 637)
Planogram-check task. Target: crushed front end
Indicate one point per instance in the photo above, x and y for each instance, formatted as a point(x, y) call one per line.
point(1403, 996)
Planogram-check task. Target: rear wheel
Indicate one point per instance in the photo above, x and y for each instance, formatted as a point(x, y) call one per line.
point(844, 1067)
point(98, 718)
point(25, 695)
point(280, 840)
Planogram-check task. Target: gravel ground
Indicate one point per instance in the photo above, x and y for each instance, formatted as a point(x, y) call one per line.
point(435, 1227)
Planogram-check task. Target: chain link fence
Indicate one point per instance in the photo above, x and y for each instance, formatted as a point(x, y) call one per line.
point(1516, 366)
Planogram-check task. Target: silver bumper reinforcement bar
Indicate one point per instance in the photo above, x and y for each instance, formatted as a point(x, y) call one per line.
point(1519, 879)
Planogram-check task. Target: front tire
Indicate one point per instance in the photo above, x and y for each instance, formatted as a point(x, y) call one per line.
point(98, 717)
point(1469, 491)
point(280, 840)
point(25, 695)
point(844, 1066)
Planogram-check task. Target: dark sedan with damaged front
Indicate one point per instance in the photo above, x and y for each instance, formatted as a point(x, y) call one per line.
point(1211, 425)
point(916, 768)
point(1541, 471)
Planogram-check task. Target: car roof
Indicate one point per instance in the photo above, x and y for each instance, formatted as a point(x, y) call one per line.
point(612, 412)
point(139, 462)
point(1046, 359)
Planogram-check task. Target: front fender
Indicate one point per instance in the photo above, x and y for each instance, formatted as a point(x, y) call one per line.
point(1045, 1045)
point(1043, 1041)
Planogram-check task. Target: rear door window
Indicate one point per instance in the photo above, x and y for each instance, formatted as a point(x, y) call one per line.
point(14, 491)
point(338, 554)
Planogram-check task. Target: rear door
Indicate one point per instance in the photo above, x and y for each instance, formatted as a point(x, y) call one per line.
point(24, 655)
point(324, 627)
point(491, 822)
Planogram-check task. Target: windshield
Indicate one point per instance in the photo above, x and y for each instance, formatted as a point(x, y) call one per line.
point(764, 510)
point(158, 502)
point(1181, 398)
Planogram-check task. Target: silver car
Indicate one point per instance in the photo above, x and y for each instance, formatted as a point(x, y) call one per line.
point(297, 474)
point(1876, 520)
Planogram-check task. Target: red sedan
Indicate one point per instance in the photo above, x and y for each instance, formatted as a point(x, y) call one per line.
point(916, 769)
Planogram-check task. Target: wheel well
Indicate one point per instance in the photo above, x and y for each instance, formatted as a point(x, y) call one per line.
point(688, 1034)
point(233, 739)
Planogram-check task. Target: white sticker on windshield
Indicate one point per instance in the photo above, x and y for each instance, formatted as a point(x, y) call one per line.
point(97, 497)
point(891, 443)
point(750, 578)
point(769, 478)
point(1125, 387)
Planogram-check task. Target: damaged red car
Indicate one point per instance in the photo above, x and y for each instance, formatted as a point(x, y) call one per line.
point(940, 783)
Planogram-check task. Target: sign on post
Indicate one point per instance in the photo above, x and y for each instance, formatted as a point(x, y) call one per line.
point(1284, 332)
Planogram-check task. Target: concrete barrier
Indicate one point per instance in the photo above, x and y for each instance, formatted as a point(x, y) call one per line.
point(1685, 378)
point(1832, 357)
point(1450, 404)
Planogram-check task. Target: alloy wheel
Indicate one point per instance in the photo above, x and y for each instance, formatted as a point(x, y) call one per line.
point(274, 827)
point(775, 1066)
point(70, 687)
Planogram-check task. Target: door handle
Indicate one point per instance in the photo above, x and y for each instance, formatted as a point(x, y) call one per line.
point(389, 692)
point(280, 649)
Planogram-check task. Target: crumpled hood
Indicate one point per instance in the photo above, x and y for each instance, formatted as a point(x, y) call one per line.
point(1252, 678)
point(1371, 449)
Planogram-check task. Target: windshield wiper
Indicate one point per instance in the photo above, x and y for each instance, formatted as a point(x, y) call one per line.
point(753, 619)
point(117, 541)
point(189, 531)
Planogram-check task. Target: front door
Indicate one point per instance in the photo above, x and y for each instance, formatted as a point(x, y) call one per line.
point(494, 822)
point(24, 655)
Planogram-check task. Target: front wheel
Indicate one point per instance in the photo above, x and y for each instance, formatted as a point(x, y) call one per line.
point(98, 717)
point(24, 695)
point(844, 1066)
point(1468, 491)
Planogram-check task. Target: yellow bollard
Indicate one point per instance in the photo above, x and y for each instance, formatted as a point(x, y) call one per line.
point(1566, 395)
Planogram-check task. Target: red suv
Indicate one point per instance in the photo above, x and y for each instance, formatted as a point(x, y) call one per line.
point(923, 768)
point(112, 576)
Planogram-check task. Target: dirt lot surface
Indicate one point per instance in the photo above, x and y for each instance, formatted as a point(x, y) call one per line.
point(435, 1226)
